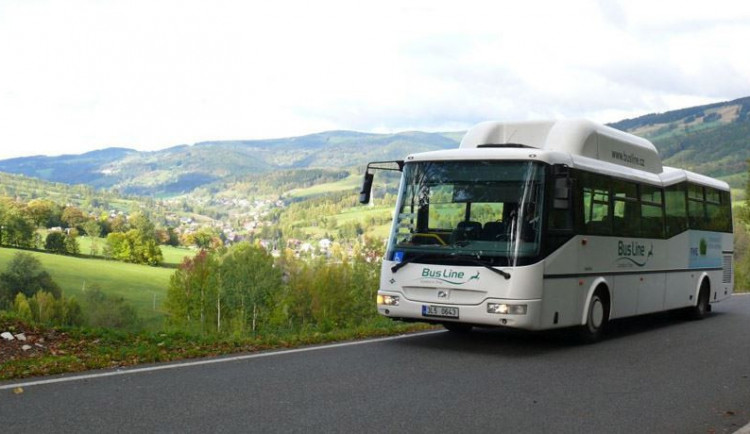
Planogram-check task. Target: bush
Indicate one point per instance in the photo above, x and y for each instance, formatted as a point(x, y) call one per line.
point(106, 311)
point(55, 242)
point(25, 275)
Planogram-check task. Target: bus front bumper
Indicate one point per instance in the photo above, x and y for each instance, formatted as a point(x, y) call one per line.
point(522, 314)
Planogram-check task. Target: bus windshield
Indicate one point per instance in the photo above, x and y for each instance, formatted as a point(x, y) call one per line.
point(483, 210)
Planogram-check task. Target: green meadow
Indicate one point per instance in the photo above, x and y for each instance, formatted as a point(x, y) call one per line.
point(143, 286)
point(363, 215)
point(351, 182)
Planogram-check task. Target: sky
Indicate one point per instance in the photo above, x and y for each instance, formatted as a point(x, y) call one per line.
point(81, 75)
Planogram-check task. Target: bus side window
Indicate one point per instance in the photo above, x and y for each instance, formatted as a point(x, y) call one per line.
point(676, 209)
point(597, 219)
point(696, 207)
point(652, 212)
point(596, 211)
point(719, 210)
point(724, 217)
point(626, 213)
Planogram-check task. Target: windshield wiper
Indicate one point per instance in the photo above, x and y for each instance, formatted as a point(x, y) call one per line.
point(484, 264)
point(401, 264)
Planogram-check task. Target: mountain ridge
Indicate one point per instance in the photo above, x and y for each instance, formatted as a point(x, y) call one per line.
point(712, 139)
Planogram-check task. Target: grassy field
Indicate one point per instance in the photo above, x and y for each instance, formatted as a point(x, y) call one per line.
point(351, 182)
point(143, 286)
point(361, 214)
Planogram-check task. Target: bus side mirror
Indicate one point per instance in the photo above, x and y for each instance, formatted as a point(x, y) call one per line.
point(562, 193)
point(364, 194)
point(395, 166)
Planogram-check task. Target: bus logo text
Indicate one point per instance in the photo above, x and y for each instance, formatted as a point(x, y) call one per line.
point(628, 158)
point(448, 275)
point(634, 252)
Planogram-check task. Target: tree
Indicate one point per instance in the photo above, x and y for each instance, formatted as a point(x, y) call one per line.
point(43, 212)
point(73, 217)
point(248, 279)
point(93, 229)
point(105, 224)
point(174, 237)
point(168, 237)
point(119, 224)
point(133, 247)
point(55, 242)
point(142, 224)
point(145, 251)
point(16, 226)
point(71, 243)
point(742, 241)
point(206, 238)
point(192, 293)
point(44, 308)
point(294, 308)
point(25, 274)
point(21, 307)
point(117, 247)
point(60, 243)
point(220, 293)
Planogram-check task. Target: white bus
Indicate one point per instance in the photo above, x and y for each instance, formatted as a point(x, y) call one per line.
point(542, 225)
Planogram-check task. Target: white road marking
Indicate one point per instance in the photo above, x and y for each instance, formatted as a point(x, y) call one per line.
point(186, 364)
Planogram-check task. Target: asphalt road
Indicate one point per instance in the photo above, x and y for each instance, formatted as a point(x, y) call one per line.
point(653, 374)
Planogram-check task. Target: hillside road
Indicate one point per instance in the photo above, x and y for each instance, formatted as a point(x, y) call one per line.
point(655, 374)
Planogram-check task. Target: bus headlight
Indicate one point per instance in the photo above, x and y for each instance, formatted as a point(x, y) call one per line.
point(507, 309)
point(388, 300)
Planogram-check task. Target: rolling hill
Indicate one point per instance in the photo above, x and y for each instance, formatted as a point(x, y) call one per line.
point(181, 169)
point(712, 139)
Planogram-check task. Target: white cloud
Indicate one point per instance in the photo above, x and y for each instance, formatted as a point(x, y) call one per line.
point(79, 75)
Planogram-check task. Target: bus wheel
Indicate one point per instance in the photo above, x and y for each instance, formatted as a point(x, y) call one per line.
point(701, 308)
point(597, 318)
point(456, 327)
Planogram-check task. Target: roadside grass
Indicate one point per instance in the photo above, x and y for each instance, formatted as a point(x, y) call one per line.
point(74, 349)
point(142, 286)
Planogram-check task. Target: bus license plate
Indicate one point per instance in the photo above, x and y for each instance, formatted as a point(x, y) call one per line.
point(440, 311)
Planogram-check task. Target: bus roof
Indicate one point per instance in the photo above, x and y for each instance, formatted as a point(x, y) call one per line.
point(575, 142)
point(672, 176)
point(572, 136)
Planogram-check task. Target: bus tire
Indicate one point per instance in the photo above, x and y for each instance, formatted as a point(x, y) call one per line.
point(597, 318)
point(701, 308)
point(457, 327)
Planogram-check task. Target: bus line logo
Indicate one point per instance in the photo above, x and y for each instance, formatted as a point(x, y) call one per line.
point(449, 275)
point(634, 253)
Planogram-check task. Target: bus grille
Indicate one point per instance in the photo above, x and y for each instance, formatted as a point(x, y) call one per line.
point(727, 276)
